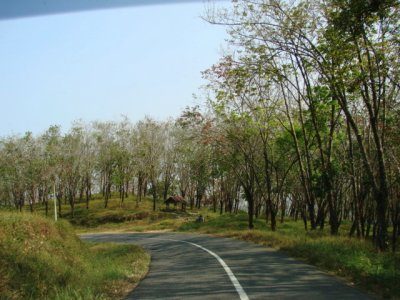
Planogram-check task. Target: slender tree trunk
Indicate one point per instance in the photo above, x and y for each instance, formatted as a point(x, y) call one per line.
point(154, 193)
point(395, 223)
point(250, 202)
point(283, 209)
point(46, 204)
point(273, 212)
point(307, 193)
point(248, 190)
point(87, 192)
point(214, 200)
point(126, 188)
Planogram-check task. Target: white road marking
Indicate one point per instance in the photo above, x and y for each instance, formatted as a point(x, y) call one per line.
point(232, 277)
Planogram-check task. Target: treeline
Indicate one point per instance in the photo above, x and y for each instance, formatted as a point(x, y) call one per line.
point(302, 121)
point(156, 158)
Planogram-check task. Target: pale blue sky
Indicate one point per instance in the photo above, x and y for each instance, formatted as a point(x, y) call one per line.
point(99, 65)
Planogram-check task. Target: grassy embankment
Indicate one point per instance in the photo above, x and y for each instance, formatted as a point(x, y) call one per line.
point(40, 259)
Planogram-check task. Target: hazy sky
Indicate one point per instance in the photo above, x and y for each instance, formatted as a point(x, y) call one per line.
point(99, 65)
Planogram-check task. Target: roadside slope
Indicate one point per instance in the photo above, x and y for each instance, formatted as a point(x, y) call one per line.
point(41, 259)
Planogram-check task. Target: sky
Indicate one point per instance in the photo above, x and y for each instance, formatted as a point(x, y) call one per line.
point(102, 64)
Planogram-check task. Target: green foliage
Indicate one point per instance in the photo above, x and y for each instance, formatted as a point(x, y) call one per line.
point(40, 259)
point(350, 16)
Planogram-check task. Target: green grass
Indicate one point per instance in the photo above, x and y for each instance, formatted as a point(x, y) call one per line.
point(40, 259)
point(355, 260)
point(126, 218)
point(116, 212)
point(121, 218)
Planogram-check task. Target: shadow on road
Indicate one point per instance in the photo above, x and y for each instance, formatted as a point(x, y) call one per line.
point(182, 271)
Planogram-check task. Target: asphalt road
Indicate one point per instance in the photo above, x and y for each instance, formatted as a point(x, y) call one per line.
point(192, 266)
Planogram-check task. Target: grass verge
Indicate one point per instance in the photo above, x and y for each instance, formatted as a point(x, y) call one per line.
point(355, 260)
point(122, 217)
point(40, 259)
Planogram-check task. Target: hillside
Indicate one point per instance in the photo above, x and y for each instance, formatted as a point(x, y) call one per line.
point(40, 259)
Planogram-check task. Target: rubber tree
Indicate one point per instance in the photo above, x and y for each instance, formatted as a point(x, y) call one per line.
point(151, 145)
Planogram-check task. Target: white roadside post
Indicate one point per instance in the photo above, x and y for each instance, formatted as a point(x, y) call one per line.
point(55, 202)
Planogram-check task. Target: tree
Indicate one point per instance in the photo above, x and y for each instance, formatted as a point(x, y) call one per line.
point(150, 148)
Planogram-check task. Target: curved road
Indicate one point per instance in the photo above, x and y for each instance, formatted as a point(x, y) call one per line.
point(192, 266)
